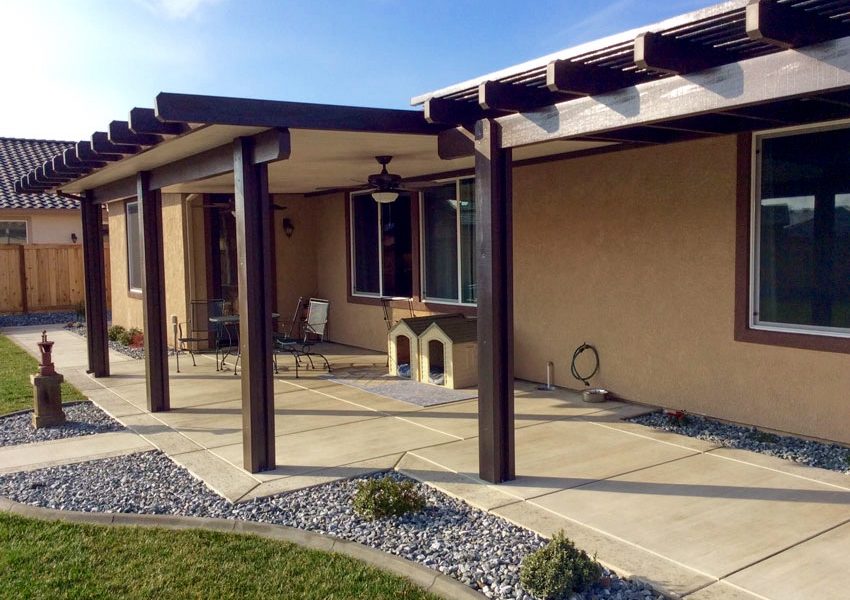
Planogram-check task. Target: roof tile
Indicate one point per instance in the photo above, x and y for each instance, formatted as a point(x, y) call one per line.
point(18, 157)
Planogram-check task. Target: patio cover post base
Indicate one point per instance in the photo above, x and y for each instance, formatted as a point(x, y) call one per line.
point(496, 461)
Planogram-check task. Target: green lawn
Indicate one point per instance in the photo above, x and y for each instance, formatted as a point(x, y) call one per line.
point(61, 560)
point(16, 366)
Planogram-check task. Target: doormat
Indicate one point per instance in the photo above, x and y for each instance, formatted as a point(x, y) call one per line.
point(378, 382)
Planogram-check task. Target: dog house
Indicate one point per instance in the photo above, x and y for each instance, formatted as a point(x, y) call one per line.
point(449, 353)
point(403, 344)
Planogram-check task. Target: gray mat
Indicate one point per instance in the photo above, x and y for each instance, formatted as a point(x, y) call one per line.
point(380, 383)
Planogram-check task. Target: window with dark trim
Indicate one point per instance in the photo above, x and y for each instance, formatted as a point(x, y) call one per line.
point(134, 248)
point(13, 232)
point(801, 232)
point(449, 220)
point(381, 247)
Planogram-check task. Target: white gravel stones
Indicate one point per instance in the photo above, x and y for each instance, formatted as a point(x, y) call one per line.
point(83, 418)
point(808, 452)
point(468, 544)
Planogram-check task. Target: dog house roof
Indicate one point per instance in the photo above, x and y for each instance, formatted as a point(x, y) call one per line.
point(459, 329)
point(419, 324)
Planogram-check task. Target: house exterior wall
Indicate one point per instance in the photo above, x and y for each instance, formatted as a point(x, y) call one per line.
point(48, 226)
point(127, 309)
point(644, 241)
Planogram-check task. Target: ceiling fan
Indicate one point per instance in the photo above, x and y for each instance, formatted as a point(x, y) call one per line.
point(388, 185)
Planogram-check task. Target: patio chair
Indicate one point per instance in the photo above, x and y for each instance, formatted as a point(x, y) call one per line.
point(196, 330)
point(314, 327)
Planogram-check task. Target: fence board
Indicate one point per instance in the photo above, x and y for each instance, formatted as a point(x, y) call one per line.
point(53, 277)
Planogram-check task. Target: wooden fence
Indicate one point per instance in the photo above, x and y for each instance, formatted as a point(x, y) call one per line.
point(37, 277)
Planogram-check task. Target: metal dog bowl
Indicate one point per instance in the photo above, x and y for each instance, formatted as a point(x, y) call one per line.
point(595, 395)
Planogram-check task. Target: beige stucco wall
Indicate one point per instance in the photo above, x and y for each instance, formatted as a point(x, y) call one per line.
point(126, 310)
point(644, 243)
point(48, 226)
point(297, 269)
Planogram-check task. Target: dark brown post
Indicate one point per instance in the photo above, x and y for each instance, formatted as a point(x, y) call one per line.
point(153, 294)
point(496, 462)
point(254, 247)
point(95, 287)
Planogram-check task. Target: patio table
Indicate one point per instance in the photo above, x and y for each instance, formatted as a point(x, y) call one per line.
point(227, 321)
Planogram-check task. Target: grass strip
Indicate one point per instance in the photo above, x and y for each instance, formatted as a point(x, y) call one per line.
point(58, 560)
point(16, 366)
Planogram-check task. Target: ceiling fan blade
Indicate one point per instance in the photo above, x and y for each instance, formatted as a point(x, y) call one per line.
point(420, 185)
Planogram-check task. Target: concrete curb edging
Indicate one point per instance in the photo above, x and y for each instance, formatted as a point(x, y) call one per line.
point(431, 581)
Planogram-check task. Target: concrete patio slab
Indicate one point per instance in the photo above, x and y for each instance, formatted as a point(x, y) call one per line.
point(29, 457)
point(821, 566)
point(308, 451)
point(627, 559)
point(748, 512)
point(562, 454)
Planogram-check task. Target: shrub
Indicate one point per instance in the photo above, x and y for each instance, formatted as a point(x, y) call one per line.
point(677, 417)
point(137, 338)
point(386, 497)
point(558, 569)
point(114, 332)
point(129, 337)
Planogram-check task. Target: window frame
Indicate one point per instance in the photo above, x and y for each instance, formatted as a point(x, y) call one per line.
point(26, 230)
point(747, 327)
point(133, 292)
point(353, 293)
point(422, 253)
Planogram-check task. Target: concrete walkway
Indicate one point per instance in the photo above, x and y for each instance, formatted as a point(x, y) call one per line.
point(695, 520)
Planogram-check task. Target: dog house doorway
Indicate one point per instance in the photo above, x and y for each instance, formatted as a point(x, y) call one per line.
point(436, 362)
point(402, 356)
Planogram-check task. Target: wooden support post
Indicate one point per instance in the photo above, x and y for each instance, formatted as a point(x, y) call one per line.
point(496, 461)
point(153, 294)
point(254, 247)
point(95, 287)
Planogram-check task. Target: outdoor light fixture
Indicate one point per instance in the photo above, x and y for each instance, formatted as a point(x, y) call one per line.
point(73, 238)
point(384, 197)
point(288, 227)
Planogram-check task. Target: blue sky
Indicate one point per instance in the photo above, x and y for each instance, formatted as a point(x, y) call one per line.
point(71, 66)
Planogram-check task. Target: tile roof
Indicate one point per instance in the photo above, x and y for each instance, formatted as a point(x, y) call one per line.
point(19, 156)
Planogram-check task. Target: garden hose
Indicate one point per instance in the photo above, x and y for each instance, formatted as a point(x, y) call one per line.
point(574, 370)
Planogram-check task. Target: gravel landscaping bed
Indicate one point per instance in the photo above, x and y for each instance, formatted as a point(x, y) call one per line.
point(807, 452)
point(83, 418)
point(137, 353)
point(47, 318)
point(471, 545)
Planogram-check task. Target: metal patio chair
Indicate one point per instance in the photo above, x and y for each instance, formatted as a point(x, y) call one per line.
point(313, 327)
point(196, 330)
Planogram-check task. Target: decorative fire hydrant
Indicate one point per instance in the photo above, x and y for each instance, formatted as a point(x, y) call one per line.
point(47, 395)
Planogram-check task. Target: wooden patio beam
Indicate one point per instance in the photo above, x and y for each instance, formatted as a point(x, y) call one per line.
point(456, 142)
point(190, 108)
point(86, 152)
point(153, 295)
point(254, 247)
point(786, 26)
point(676, 56)
point(143, 120)
point(69, 156)
point(497, 95)
point(583, 79)
point(116, 190)
point(100, 143)
point(120, 133)
point(493, 166)
point(764, 79)
point(269, 146)
point(95, 287)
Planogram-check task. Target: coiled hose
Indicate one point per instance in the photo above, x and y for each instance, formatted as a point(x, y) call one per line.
point(574, 370)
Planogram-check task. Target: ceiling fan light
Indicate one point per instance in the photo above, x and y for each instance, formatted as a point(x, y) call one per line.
point(384, 197)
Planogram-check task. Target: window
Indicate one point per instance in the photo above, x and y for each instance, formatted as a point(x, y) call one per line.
point(382, 248)
point(448, 222)
point(134, 248)
point(801, 232)
point(13, 232)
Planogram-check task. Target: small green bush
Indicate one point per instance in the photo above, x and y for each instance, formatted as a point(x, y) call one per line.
point(129, 337)
point(558, 570)
point(115, 332)
point(386, 497)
